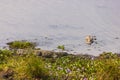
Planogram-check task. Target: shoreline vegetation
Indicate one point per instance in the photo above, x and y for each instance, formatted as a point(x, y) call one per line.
point(23, 61)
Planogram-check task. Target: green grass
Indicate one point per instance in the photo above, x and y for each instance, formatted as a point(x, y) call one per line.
point(4, 54)
point(26, 67)
point(30, 67)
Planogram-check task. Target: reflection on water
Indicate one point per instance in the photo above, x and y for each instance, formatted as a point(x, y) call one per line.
point(62, 22)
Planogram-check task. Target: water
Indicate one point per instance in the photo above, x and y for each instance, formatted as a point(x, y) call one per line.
point(62, 22)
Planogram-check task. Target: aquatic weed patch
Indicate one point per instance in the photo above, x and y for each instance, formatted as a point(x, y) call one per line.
point(21, 44)
point(70, 67)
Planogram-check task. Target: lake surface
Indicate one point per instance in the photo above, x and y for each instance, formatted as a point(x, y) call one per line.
point(62, 22)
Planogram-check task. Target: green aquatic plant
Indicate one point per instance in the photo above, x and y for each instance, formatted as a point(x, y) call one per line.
point(21, 44)
point(76, 67)
point(4, 54)
point(27, 67)
point(108, 55)
point(36, 67)
point(107, 69)
point(70, 67)
point(62, 47)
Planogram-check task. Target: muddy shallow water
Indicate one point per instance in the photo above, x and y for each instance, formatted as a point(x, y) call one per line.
point(62, 22)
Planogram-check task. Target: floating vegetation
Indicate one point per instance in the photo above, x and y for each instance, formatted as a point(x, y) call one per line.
point(21, 44)
point(62, 47)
